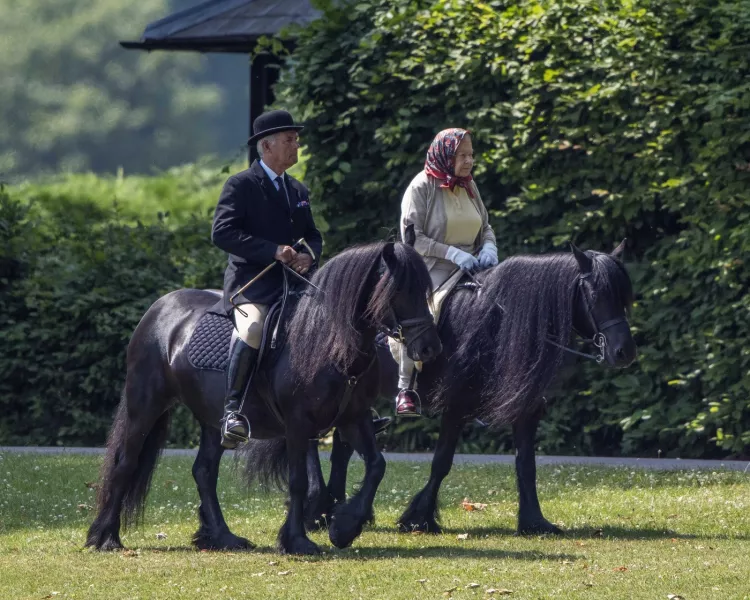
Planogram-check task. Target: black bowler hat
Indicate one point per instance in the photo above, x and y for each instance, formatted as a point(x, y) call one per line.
point(272, 122)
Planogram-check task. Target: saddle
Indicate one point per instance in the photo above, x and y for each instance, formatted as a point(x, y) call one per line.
point(208, 348)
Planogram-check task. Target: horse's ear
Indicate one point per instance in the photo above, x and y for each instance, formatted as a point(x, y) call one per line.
point(619, 252)
point(584, 261)
point(389, 254)
point(409, 236)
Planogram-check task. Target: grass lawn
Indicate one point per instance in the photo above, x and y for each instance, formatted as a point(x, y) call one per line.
point(631, 534)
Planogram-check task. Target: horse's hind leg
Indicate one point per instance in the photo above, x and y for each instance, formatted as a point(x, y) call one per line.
point(135, 441)
point(349, 518)
point(213, 533)
point(530, 519)
point(421, 515)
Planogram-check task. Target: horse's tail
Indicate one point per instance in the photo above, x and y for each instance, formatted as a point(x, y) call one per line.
point(142, 465)
point(266, 463)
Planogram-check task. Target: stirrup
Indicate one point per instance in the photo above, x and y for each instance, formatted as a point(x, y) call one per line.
point(231, 439)
point(408, 404)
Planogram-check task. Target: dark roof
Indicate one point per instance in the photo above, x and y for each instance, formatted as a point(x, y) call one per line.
point(223, 25)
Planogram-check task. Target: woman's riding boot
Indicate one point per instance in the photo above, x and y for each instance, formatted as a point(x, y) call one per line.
point(235, 428)
point(408, 404)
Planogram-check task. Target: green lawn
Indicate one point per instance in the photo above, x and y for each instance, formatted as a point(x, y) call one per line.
point(631, 534)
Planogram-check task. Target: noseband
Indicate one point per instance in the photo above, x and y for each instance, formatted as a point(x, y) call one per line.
point(408, 330)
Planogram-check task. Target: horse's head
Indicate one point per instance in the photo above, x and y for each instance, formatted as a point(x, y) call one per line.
point(604, 294)
point(405, 285)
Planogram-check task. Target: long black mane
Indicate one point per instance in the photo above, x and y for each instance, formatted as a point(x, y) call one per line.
point(538, 295)
point(326, 329)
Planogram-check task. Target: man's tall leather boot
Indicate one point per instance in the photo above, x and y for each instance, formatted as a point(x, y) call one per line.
point(235, 428)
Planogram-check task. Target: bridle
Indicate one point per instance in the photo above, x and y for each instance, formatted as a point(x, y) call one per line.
point(406, 331)
point(599, 339)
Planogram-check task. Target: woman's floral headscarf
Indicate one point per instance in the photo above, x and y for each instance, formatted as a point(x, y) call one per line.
point(441, 156)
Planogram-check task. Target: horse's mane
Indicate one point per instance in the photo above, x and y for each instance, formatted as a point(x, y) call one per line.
point(538, 294)
point(326, 329)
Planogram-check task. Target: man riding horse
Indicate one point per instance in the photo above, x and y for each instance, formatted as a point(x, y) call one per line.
point(261, 212)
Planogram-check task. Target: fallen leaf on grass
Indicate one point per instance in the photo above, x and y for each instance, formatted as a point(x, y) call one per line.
point(85, 507)
point(258, 574)
point(92, 485)
point(501, 592)
point(620, 569)
point(472, 505)
point(580, 543)
point(272, 562)
point(674, 597)
point(449, 592)
point(283, 572)
point(422, 581)
point(131, 552)
point(161, 536)
point(472, 586)
point(462, 536)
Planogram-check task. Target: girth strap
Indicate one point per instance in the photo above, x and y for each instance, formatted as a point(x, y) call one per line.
point(351, 385)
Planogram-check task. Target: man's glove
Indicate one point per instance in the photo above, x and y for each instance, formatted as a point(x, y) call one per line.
point(464, 260)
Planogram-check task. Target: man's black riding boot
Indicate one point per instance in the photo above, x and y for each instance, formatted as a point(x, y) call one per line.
point(235, 428)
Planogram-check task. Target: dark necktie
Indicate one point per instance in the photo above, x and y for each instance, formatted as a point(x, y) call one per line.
point(282, 188)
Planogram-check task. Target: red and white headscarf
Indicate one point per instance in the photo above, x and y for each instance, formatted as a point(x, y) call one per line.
point(441, 160)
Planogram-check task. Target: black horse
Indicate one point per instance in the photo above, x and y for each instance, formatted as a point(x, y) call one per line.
point(325, 375)
point(504, 337)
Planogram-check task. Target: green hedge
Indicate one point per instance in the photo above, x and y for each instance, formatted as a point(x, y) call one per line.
point(593, 121)
point(75, 279)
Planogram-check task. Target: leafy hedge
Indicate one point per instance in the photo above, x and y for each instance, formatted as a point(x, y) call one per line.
point(593, 121)
point(75, 279)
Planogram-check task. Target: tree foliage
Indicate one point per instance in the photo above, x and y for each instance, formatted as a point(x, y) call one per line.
point(73, 100)
point(593, 121)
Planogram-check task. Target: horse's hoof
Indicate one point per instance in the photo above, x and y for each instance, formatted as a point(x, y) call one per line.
point(226, 540)
point(344, 529)
point(105, 542)
point(538, 527)
point(299, 546)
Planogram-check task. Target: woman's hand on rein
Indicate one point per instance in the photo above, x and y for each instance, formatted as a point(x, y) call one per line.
point(464, 260)
point(488, 256)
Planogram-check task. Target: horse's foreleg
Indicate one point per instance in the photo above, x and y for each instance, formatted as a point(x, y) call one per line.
point(317, 503)
point(322, 499)
point(349, 518)
point(292, 538)
point(530, 519)
point(213, 533)
point(422, 513)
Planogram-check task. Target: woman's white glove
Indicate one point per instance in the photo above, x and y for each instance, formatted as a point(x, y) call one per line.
point(488, 256)
point(464, 260)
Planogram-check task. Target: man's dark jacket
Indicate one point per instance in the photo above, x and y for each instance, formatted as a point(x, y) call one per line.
point(251, 221)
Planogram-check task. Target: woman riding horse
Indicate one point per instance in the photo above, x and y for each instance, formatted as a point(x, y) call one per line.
point(504, 337)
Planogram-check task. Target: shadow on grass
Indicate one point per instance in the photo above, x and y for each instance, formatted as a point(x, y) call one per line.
point(370, 553)
point(575, 533)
